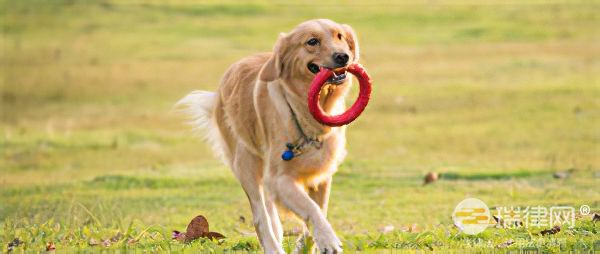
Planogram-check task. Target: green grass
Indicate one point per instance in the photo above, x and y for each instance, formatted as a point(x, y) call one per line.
point(494, 96)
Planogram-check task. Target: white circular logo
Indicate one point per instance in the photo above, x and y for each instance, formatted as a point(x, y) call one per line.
point(471, 216)
point(585, 210)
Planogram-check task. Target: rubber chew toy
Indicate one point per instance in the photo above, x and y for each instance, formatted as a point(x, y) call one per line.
point(354, 111)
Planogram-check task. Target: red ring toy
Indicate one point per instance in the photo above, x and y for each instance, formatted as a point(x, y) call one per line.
point(354, 111)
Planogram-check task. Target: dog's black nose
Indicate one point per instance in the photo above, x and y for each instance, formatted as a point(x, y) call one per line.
point(341, 58)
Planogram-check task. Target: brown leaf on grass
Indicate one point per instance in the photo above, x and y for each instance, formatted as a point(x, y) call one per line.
point(197, 228)
point(430, 178)
point(596, 217)
point(214, 235)
point(505, 244)
point(106, 243)
point(551, 231)
point(50, 246)
point(131, 241)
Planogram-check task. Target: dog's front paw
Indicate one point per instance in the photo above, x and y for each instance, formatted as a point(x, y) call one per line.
point(326, 240)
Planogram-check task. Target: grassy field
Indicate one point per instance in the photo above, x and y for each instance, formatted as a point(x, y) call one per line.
point(496, 97)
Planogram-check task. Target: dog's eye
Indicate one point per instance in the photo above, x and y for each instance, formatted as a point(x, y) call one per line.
point(312, 41)
point(340, 36)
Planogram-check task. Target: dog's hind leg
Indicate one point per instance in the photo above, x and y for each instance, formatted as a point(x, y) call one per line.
point(248, 170)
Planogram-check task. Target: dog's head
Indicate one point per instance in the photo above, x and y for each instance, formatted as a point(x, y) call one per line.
point(312, 45)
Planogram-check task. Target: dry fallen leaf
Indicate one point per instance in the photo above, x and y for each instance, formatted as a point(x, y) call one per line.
point(551, 231)
point(430, 178)
point(197, 228)
point(214, 235)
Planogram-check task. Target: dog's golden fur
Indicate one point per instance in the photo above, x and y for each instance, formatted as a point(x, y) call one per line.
point(251, 117)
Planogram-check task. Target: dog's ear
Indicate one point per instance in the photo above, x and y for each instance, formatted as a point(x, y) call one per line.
point(274, 66)
point(352, 41)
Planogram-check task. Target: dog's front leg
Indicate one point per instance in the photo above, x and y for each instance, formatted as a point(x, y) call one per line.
point(294, 197)
point(248, 170)
point(320, 194)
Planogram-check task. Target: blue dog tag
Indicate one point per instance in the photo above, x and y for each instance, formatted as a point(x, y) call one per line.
point(287, 155)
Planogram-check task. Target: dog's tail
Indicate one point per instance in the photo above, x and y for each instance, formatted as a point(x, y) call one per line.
point(199, 106)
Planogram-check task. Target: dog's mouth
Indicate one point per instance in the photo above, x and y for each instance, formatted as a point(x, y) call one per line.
point(338, 77)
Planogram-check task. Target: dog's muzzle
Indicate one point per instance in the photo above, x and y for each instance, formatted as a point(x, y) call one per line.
point(338, 77)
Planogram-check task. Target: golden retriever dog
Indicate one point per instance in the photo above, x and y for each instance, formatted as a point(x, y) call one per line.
point(260, 110)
